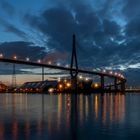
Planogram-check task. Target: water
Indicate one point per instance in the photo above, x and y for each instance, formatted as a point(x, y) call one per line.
point(58, 117)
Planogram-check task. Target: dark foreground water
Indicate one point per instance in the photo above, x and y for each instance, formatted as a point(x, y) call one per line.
point(67, 117)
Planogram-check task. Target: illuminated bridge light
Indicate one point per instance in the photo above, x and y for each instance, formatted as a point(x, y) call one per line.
point(27, 59)
point(116, 73)
point(39, 61)
point(58, 64)
point(122, 76)
point(104, 71)
point(15, 57)
point(67, 66)
point(110, 72)
point(49, 62)
point(1, 55)
point(119, 75)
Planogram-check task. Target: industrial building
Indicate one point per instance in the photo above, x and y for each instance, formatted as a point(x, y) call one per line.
point(3, 88)
point(37, 86)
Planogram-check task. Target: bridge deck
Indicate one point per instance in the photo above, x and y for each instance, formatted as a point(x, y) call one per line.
point(59, 67)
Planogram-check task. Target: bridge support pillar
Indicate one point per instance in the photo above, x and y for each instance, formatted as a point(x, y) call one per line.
point(74, 84)
point(14, 76)
point(115, 84)
point(42, 73)
point(42, 81)
point(123, 87)
point(102, 82)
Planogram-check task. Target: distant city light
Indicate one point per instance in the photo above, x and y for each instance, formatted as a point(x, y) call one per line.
point(86, 79)
point(96, 85)
point(81, 77)
point(60, 86)
point(37, 89)
point(50, 90)
point(68, 84)
point(104, 71)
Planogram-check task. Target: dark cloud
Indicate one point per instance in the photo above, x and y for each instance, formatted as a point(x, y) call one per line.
point(133, 27)
point(59, 25)
point(8, 27)
point(93, 33)
point(111, 28)
point(56, 57)
point(132, 77)
point(22, 50)
point(107, 5)
point(131, 9)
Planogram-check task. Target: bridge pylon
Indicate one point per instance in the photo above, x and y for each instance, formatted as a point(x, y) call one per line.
point(74, 65)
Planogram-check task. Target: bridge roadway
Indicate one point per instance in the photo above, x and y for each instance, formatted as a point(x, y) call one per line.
point(60, 68)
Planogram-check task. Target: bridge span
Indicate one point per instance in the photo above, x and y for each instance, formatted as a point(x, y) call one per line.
point(119, 80)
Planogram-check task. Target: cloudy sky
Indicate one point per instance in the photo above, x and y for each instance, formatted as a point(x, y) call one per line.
point(107, 32)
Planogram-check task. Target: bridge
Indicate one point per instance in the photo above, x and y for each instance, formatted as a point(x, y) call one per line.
point(119, 79)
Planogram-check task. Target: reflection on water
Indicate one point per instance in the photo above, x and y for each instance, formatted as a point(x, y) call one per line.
point(24, 116)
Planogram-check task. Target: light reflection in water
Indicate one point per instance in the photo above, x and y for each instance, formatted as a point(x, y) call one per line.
point(68, 110)
point(96, 106)
point(15, 129)
point(81, 109)
point(2, 129)
point(27, 129)
point(111, 108)
point(86, 107)
point(60, 102)
point(104, 107)
point(59, 115)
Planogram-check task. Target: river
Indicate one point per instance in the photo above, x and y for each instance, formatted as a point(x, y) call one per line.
point(69, 117)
